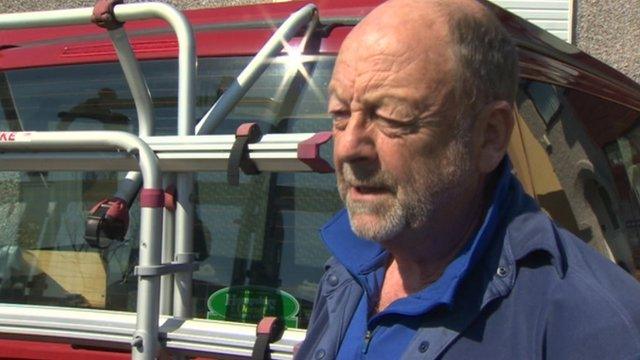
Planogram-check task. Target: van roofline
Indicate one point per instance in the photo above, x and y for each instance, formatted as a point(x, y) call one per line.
point(242, 30)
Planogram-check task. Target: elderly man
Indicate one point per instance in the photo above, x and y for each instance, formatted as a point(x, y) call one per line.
point(439, 253)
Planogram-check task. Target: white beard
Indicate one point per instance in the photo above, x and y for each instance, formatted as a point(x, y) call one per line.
point(412, 204)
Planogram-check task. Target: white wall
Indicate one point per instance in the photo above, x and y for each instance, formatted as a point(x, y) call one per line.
point(555, 16)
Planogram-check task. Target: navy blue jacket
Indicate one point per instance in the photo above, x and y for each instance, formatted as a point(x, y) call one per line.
point(537, 293)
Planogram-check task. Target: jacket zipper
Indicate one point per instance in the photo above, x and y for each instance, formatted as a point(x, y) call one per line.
point(367, 340)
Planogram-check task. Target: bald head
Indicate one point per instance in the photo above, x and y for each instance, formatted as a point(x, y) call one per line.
point(419, 15)
point(461, 39)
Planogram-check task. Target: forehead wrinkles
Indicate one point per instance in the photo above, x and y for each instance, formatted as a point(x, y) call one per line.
point(360, 72)
point(394, 61)
point(383, 70)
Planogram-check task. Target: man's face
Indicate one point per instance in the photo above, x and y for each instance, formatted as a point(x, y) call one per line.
point(399, 157)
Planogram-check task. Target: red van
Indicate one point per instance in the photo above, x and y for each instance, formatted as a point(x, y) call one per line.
point(250, 246)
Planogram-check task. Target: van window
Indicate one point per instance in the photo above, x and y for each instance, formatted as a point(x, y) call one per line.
point(262, 234)
point(581, 170)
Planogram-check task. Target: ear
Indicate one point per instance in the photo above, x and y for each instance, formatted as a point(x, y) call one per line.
point(494, 127)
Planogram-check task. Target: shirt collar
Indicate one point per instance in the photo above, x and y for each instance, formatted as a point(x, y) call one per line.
point(361, 256)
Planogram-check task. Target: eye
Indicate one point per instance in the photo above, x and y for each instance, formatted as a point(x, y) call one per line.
point(340, 119)
point(394, 127)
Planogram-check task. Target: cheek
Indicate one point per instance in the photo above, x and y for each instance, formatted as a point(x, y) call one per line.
point(398, 160)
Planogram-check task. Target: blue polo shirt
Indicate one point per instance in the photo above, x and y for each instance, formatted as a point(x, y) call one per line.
point(387, 334)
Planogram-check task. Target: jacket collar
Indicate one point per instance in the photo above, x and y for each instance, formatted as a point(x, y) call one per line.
point(358, 255)
point(524, 228)
point(361, 256)
point(529, 230)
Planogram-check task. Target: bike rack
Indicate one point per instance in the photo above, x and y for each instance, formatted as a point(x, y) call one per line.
point(274, 152)
point(145, 343)
point(179, 155)
point(186, 101)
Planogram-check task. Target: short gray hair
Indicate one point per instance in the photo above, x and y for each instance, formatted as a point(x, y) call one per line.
point(487, 58)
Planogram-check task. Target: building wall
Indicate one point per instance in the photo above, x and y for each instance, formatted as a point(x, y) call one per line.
point(32, 5)
point(609, 30)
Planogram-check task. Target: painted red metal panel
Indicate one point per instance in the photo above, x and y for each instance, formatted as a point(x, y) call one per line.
point(153, 39)
point(40, 350)
point(538, 67)
point(20, 349)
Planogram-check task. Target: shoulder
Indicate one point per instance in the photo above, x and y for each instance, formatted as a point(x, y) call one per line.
point(587, 318)
point(583, 305)
point(593, 306)
point(607, 284)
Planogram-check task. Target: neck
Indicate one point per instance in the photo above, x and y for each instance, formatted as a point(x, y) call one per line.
point(418, 259)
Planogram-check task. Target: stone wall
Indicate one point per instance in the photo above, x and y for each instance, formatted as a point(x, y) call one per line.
point(7, 6)
point(610, 31)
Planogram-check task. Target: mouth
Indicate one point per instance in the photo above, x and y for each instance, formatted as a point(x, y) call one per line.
point(368, 193)
point(370, 190)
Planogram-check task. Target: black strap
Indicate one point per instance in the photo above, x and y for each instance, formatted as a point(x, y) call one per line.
point(269, 330)
point(239, 157)
point(261, 349)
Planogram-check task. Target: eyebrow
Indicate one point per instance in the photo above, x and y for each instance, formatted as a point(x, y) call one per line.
point(333, 92)
point(376, 95)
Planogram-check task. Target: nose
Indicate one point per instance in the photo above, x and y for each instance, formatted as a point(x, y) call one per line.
point(355, 142)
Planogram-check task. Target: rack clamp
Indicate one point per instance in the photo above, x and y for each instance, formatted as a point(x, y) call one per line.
point(183, 263)
point(104, 16)
point(269, 330)
point(309, 152)
point(108, 220)
point(246, 134)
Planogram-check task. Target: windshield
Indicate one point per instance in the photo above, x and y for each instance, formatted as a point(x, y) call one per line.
point(262, 234)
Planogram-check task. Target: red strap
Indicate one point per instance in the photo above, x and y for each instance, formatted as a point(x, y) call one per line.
point(272, 326)
point(103, 15)
point(97, 206)
point(245, 129)
point(151, 198)
point(170, 198)
point(119, 210)
point(266, 325)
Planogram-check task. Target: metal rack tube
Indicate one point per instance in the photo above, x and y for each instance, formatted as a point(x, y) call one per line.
point(46, 18)
point(147, 306)
point(135, 80)
point(168, 231)
point(186, 53)
point(125, 12)
point(255, 68)
point(128, 188)
point(184, 215)
point(146, 333)
point(274, 152)
point(186, 108)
